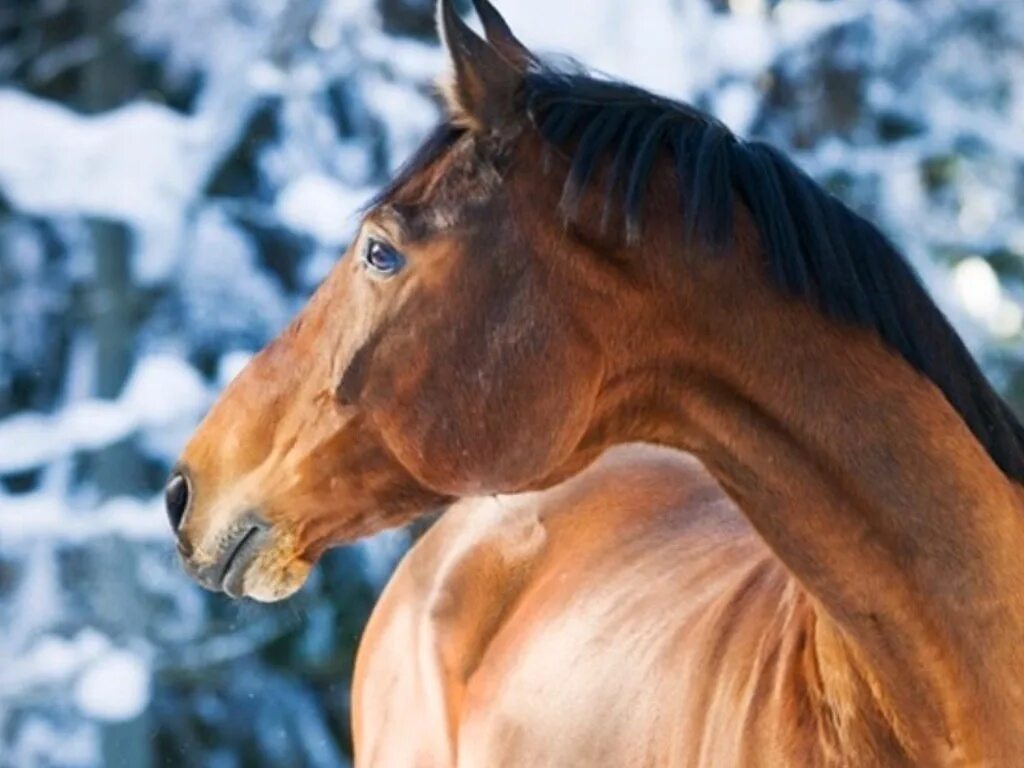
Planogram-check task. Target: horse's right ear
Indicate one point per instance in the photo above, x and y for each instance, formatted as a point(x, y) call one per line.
point(483, 87)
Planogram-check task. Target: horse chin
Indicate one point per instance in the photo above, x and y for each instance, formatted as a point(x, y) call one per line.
point(275, 575)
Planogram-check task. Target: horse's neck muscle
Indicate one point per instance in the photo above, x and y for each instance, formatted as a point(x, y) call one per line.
point(864, 482)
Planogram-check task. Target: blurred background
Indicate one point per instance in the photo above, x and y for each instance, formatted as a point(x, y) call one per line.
point(176, 176)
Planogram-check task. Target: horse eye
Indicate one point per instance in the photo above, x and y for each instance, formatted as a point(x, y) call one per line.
point(382, 258)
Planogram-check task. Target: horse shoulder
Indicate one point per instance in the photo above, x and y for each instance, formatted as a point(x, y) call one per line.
point(646, 636)
point(431, 626)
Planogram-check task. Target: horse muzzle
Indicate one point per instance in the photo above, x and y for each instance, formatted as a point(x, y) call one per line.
point(235, 553)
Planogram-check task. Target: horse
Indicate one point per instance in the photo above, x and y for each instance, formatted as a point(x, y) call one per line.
point(570, 263)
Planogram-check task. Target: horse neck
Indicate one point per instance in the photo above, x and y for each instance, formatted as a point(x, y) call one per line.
point(857, 473)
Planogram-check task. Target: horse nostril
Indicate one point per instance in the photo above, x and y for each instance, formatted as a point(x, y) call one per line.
point(176, 495)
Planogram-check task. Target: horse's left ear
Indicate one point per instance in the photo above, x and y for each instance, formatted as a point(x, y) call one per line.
point(499, 34)
point(484, 85)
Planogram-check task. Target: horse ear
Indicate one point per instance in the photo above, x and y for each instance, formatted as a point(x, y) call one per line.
point(484, 84)
point(499, 34)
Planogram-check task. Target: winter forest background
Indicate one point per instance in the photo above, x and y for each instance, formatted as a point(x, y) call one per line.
point(177, 175)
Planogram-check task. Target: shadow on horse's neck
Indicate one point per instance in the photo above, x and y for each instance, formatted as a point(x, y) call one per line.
point(853, 466)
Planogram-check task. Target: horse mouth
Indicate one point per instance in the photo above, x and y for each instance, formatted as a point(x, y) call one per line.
point(238, 560)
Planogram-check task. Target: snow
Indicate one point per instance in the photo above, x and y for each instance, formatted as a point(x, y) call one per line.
point(52, 518)
point(267, 79)
point(109, 683)
point(800, 21)
point(321, 207)
point(39, 743)
point(141, 142)
point(646, 34)
point(386, 99)
point(230, 366)
point(227, 298)
point(135, 164)
point(981, 295)
point(977, 286)
point(115, 687)
point(162, 390)
point(737, 105)
point(37, 603)
point(52, 660)
point(405, 59)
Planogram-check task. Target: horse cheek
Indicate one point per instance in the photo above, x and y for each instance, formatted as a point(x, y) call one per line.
point(524, 416)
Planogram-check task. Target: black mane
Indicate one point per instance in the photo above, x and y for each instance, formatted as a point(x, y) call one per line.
point(818, 249)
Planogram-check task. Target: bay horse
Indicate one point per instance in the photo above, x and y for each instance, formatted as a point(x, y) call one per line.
point(570, 263)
